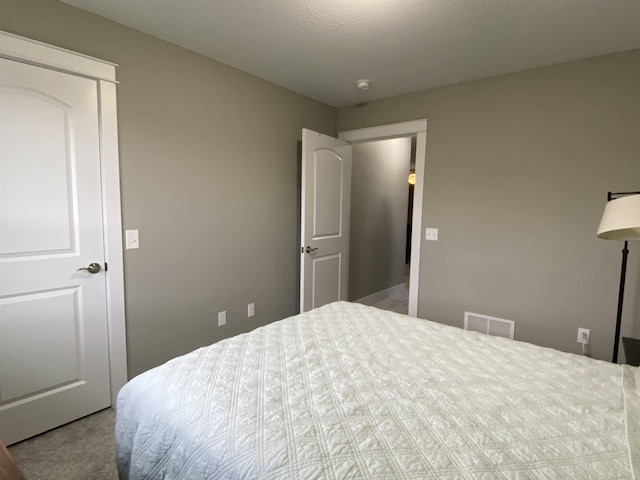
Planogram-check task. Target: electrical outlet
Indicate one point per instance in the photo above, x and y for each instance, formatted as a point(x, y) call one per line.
point(431, 234)
point(251, 310)
point(222, 318)
point(583, 336)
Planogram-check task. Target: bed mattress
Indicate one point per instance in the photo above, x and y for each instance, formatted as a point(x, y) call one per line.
point(348, 391)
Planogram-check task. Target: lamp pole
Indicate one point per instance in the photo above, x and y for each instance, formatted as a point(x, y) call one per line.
point(621, 222)
point(623, 276)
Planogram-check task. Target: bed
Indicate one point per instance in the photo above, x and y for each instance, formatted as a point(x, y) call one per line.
point(348, 391)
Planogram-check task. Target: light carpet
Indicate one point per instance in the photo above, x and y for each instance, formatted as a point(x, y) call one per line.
point(81, 450)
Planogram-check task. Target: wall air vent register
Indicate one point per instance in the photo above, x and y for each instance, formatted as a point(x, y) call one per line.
point(498, 327)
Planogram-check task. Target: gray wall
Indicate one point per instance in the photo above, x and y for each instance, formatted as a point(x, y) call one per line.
point(379, 200)
point(516, 176)
point(208, 159)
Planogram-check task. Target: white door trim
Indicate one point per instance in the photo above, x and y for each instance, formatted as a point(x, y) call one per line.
point(26, 50)
point(110, 168)
point(417, 128)
point(37, 53)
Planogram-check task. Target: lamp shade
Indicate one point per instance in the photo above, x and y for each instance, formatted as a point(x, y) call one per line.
point(621, 219)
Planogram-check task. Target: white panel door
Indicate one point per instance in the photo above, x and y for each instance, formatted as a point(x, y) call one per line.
point(53, 327)
point(326, 201)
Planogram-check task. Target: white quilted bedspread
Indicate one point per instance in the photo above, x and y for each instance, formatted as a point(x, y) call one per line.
point(352, 392)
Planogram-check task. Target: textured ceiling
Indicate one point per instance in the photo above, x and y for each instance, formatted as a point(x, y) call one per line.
point(321, 47)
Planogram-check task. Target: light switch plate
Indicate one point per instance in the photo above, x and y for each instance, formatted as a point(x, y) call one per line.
point(251, 310)
point(133, 239)
point(431, 234)
point(222, 318)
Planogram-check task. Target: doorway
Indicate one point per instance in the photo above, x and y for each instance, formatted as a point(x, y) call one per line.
point(379, 233)
point(61, 256)
point(416, 130)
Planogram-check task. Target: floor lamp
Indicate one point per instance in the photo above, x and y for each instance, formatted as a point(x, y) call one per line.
point(621, 221)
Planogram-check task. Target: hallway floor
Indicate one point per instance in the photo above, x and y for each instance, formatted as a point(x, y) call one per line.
point(397, 303)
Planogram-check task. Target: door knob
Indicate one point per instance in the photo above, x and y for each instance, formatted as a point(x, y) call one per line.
point(92, 268)
point(309, 249)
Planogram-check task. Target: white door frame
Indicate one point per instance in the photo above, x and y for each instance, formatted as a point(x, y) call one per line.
point(418, 129)
point(25, 50)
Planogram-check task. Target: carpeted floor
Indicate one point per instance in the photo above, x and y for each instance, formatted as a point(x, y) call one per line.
point(81, 450)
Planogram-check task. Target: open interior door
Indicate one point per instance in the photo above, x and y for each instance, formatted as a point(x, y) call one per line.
point(326, 201)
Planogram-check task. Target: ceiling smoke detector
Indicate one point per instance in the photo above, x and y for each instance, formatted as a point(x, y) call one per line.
point(363, 84)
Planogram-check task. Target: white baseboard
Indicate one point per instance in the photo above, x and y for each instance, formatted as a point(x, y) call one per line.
point(381, 295)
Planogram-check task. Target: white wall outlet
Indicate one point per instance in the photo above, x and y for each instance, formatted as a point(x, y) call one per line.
point(583, 336)
point(431, 234)
point(251, 310)
point(222, 318)
point(133, 240)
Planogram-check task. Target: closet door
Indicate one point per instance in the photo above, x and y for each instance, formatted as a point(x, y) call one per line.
point(54, 356)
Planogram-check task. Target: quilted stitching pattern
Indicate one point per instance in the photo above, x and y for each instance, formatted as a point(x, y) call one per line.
point(352, 392)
